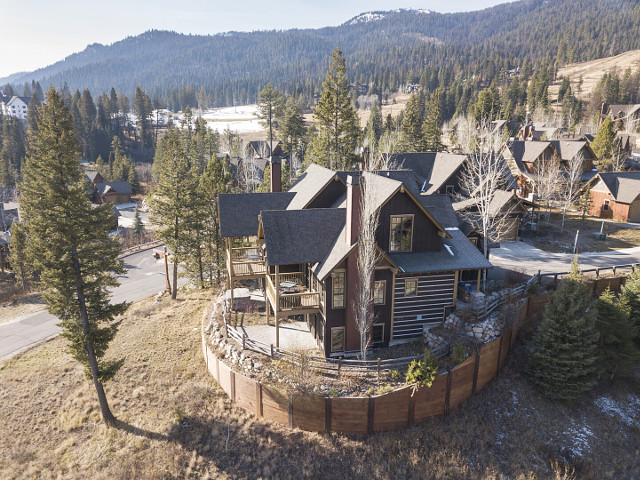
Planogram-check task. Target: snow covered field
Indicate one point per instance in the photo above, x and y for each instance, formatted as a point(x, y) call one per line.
point(241, 119)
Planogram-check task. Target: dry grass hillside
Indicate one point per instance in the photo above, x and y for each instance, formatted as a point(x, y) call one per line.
point(591, 72)
point(177, 423)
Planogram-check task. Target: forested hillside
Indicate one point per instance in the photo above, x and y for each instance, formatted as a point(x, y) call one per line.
point(384, 50)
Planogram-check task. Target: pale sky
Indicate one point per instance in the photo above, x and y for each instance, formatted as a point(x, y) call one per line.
point(37, 33)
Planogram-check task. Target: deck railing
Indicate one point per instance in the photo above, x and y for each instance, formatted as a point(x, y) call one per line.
point(322, 364)
point(291, 301)
point(242, 253)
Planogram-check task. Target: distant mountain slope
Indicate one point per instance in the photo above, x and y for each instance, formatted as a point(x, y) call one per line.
point(382, 48)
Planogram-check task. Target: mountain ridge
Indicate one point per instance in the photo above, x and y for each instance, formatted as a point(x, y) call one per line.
point(392, 50)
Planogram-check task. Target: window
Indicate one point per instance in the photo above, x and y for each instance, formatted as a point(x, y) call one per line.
point(401, 233)
point(449, 189)
point(410, 287)
point(379, 290)
point(606, 205)
point(337, 339)
point(377, 333)
point(338, 289)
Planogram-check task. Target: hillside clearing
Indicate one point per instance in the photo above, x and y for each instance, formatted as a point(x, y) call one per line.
point(179, 424)
point(592, 71)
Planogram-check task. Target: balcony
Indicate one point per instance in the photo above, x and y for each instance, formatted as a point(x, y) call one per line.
point(246, 262)
point(294, 298)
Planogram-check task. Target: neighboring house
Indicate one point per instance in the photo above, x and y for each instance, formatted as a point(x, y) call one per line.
point(538, 131)
point(305, 245)
point(522, 158)
point(505, 204)
point(435, 172)
point(248, 173)
point(94, 177)
point(262, 149)
point(112, 192)
point(9, 213)
point(616, 196)
point(17, 107)
point(625, 118)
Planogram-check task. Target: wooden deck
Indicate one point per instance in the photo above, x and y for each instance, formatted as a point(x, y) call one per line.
point(297, 303)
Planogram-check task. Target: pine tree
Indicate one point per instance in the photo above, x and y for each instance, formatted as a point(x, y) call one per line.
point(411, 127)
point(338, 123)
point(373, 130)
point(618, 352)
point(630, 296)
point(432, 128)
point(138, 226)
point(215, 180)
point(19, 260)
point(69, 245)
point(270, 105)
point(585, 203)
point(564, 354)
point(292, 128)
point(604, 142)
point(171, 200)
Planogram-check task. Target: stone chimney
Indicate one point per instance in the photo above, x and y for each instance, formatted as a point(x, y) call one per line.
point(276, 173)
point(353, 208)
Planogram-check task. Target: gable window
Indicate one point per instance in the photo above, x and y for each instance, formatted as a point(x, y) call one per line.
point(377, 333)
point(449, 189)
point(338, 289)
point(401, 233)
point(606, 205)
point(379, 290)
point(411, 287)
point(337, 339)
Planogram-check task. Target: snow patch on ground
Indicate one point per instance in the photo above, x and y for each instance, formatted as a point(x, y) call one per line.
point(241, 119)
point(628, 412)
point(578, 440)
point(366, 18)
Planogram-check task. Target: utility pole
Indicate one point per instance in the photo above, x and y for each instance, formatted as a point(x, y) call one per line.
point(575, 243)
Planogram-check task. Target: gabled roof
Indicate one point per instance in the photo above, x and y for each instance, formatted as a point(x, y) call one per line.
point(440, 207)
point(499, 203)
point(623, 186)
point(528, 151)
point(309, 184)
point(239, 211)
point(122, 188)
point(568, 149)
point(431, 169)
point(300, 236)
point(92, 175)
point(337, 253)
point(464, 256)
point(623, 110)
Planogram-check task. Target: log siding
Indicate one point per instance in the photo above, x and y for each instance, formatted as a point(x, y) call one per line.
point(411, 314)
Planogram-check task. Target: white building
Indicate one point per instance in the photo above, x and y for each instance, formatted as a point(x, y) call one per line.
point(14, 106)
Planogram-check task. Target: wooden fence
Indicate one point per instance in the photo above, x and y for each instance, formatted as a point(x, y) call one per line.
point(392, 411)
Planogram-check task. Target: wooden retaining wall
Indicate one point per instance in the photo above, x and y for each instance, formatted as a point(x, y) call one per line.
point(391, 411)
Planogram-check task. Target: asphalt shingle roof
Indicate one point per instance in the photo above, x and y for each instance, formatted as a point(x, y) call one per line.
point(465, 257)
point(239, 211)
point(433, 168)
point(122, 188)
point(624, 186)
point(301, 236)
point(311, 182)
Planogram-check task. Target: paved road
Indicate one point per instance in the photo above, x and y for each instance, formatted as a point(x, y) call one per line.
point(144, 277)
point(522, 257)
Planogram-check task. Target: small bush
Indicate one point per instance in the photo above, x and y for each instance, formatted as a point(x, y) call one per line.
point(459, 353)
point(395, 374)
point(382, 389)
point(422, 372)
point(179, 414)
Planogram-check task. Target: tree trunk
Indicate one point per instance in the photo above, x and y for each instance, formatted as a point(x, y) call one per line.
point(107, 416)
point(174, 292)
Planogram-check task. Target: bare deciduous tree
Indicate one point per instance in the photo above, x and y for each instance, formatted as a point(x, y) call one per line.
point(485, 173)
point(571, 181)
point(366, 261)
point(547, 179)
